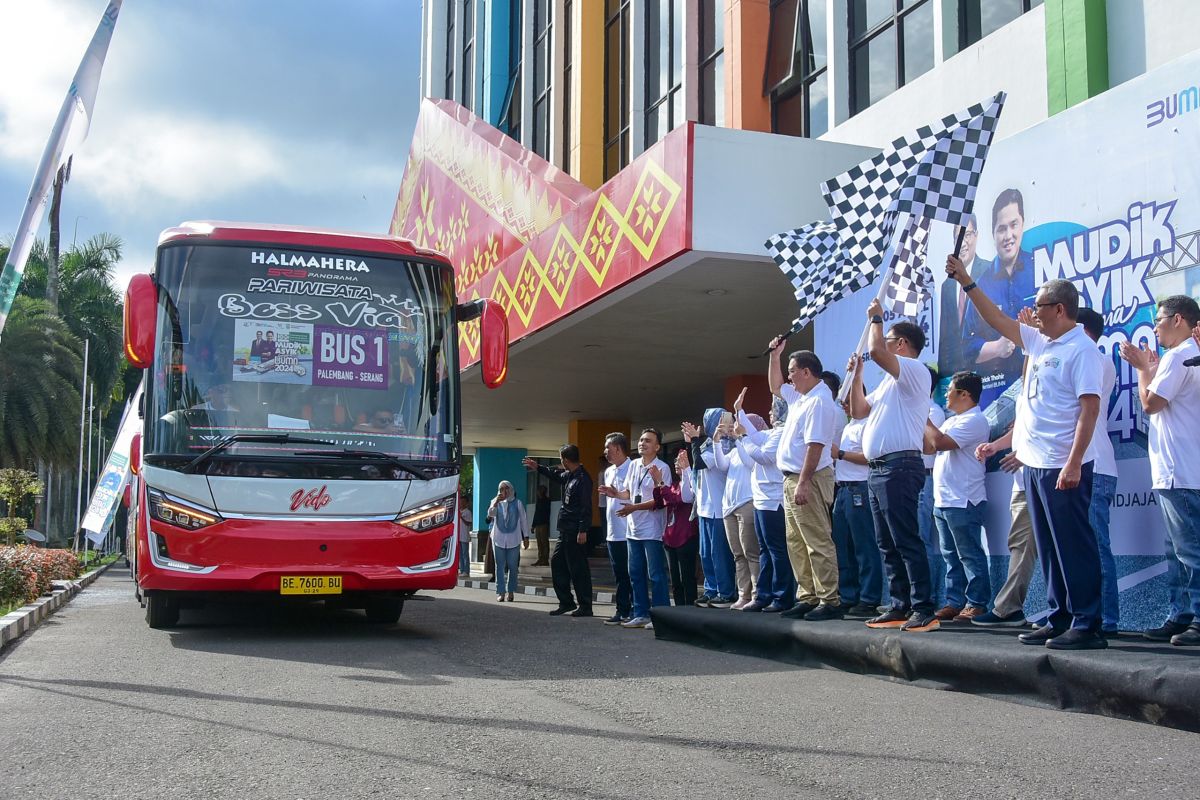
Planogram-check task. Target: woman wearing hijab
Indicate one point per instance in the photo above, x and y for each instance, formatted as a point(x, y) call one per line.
point(510, 531)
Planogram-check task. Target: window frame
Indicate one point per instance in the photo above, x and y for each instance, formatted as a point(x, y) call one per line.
point(543, 96)
point(901, 9)
point(674, 89)
point(796, 81)
point(510, 111)
point(451, 53)
point(717, 55)
point(467, 98)
point(619, 18)
point(964, 7)
point(568, 74)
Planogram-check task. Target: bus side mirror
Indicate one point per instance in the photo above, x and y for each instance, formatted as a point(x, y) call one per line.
point(135, 454)
point(493, 341)
point(141, 313)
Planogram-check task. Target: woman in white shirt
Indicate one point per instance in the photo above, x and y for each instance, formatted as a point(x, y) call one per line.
point(510, 530)
point(737, 506)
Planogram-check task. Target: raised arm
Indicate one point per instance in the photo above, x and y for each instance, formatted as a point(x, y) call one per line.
point(877, 342)
point(1005, 325)
point(859, 407)
point(774, 370)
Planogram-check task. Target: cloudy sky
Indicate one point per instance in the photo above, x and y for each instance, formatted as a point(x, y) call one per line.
point(288, 111)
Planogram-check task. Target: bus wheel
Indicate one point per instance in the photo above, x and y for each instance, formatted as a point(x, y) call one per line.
point(162, 611)
point(384, 611)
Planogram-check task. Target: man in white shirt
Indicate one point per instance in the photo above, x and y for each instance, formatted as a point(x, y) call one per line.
point(616, 450)
point(1170, 396)
point(1056, 417)
point(893, 440)
point(939, 561)
point(807, 468)
point(960, 499)
point(1104, 483)
point(644, 535)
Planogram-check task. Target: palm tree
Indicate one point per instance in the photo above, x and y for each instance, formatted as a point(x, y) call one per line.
point(40, 374)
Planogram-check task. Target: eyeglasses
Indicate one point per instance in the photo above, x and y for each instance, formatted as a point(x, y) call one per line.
point(970, 234)
point(1043, 305)
point(1168, 318)
point(893, 338)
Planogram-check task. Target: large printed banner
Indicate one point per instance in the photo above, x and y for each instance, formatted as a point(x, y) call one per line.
point(103, 506)
point(1104, 195)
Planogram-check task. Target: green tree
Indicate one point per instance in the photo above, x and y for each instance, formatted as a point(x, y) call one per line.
point(15, 486)
point(40, 374)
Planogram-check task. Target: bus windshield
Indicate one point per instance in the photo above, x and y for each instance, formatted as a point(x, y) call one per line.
point(348, 353)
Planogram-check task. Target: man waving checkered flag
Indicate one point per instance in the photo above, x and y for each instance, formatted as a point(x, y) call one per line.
point(912, 281)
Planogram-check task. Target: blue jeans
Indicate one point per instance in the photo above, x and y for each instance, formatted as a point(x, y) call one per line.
point(1103, 489)
point(860, 566)
point(939, 563)
point(1181, 516)
point(618, 555)
point(507, 561)
point(648, 556)
point(464, 556)
point(716, 559)
point(894, 488)
point(967, 575)
point(776, 584)
point(1066, 547)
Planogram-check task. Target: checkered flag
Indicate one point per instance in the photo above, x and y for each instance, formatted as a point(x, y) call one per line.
point(807, 256)
point(909, 288)
point(933, 173)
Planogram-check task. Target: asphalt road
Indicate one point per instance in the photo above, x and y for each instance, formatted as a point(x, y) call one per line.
point(466, 697)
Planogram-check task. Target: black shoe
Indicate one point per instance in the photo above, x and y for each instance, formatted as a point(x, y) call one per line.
point(1110, 634)
point(703, 600)
point(1189, 638)
point(558, 612)
point(1164, 632)
point(891, 618)
point(581, 612)
point(1041, 635)
point(824, 612)
point(920, 622)
point(775, 608)
point(798, 611)
point(1075, 639)
point(861, 610)
point(615, 619)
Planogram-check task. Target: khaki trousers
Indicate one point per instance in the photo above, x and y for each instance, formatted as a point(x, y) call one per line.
point(1022, 559)
point(810, 539)
point(743, 541)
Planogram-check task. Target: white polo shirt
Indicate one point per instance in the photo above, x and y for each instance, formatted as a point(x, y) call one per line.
point(615, 477)
point(1060, 372)
point(762, 448)
point(710, 489)
point(937, 415)
point(852, 443)
point(899, 408)
point(739, 474)
point(1106, 459)
point(648, 525)
point(810, 420)
point(1174, 445)
point(958, 477)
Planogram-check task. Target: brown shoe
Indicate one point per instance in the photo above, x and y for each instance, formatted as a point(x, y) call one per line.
point(948, 613)
point(969, 613)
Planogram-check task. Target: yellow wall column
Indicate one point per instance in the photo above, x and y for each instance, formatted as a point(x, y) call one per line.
point(587, 94)
point(588, 435)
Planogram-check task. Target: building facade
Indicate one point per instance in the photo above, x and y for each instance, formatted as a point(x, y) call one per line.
point(608, 170)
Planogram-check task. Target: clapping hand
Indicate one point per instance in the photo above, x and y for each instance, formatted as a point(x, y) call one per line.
point(690, 432)
point(682, 462)
point(1140, 358)
point(741, 399)
point(1027, 316)
point(655, 473)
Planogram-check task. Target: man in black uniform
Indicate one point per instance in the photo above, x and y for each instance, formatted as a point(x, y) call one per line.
point(568, 564)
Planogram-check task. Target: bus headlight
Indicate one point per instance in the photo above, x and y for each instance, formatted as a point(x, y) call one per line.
point(174, 511)
point(428, 516)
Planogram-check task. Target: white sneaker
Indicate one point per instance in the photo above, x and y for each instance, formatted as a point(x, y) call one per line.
point(637, 622)
point(649, 626)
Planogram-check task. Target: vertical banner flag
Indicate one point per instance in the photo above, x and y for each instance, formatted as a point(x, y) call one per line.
point(912, 281)
point(70, 129)
point(106, 495)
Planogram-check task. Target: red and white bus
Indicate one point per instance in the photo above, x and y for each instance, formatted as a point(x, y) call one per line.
point(301, 428)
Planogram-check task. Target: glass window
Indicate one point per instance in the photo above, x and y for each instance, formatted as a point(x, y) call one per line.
point(364, 364)
point(891, 43)
point(542, 27)
point(979, 18)
point(510, 112)
point(712, 62)
point(616, 87)
point(468, 67)
point(664, 67)
point(568, 21)
point(797, 78)
point(450, 51)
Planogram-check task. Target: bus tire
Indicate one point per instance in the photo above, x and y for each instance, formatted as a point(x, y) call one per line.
point(162, 611)
point(384, 611)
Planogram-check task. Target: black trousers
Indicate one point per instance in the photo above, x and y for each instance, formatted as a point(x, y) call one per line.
point(893, 491)
point(682, 563)
point(569, 567)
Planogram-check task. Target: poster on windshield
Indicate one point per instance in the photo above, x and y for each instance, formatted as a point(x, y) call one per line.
point(350, 357)
point(272, 352)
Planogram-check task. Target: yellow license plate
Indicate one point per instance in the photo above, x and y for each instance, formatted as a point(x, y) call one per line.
point(310, 584)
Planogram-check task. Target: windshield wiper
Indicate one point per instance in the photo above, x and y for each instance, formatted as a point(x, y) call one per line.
point(411, 467)
point(265, 438)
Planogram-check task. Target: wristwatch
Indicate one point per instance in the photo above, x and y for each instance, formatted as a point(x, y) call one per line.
point(877, 320)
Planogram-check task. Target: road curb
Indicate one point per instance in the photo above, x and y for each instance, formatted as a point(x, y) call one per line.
point(16, 623)
point(531, 591)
